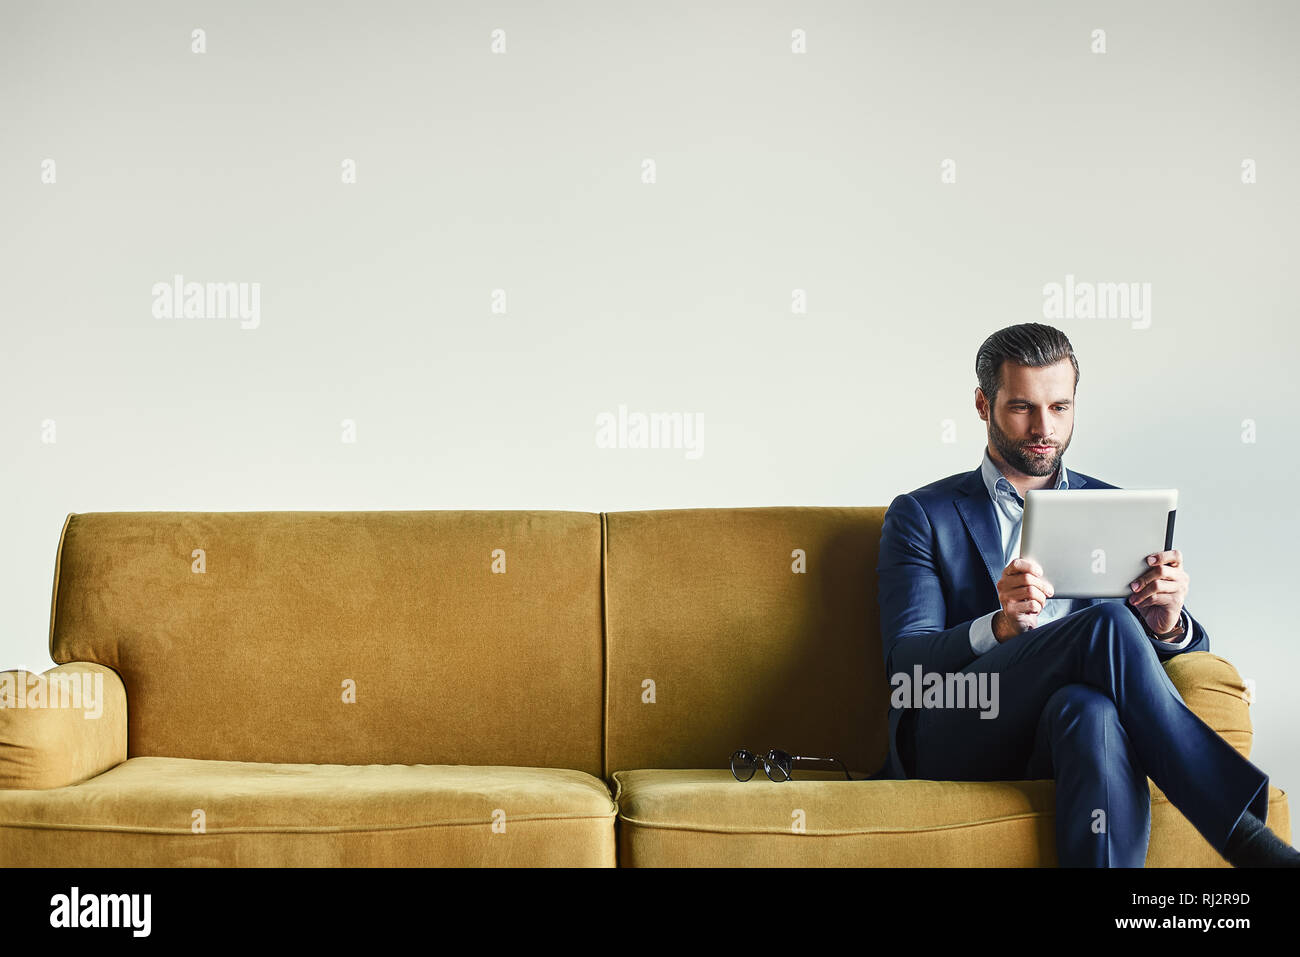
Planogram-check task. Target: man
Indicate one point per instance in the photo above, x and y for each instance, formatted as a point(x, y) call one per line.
point(1083, 696)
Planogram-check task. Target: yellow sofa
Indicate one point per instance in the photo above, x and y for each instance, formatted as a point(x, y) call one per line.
point(535, 688)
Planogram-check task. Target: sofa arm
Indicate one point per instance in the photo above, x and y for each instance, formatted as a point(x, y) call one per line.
point(62, 727)
point(1216, 693)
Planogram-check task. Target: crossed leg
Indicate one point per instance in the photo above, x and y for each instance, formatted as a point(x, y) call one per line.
point(1054, 683)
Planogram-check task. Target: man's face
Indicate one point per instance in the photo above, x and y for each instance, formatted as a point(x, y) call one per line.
point(1035, 407)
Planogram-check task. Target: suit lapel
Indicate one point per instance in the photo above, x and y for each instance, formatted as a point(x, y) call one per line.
point(976, 511)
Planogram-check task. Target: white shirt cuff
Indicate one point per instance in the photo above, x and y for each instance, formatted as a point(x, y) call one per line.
point(982, 638)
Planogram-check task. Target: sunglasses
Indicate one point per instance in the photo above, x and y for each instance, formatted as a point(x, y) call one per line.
point(777, 764)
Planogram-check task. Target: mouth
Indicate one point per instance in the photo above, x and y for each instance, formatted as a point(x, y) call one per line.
point(1041, 449)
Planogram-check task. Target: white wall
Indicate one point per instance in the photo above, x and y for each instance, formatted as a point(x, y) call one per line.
point(522, 171)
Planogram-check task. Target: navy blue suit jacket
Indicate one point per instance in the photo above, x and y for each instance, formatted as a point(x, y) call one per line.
point(939, 564)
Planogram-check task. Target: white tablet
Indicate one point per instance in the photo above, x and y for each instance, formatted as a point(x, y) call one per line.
point(1092, 542)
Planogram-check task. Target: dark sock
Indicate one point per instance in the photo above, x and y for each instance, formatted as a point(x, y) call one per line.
point(1251, 844)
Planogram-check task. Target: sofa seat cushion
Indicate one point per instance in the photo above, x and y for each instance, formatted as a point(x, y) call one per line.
point(146, 812)
point(707, 818)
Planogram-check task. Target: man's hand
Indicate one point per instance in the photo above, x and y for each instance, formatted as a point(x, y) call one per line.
point(1022, 592)
point(1159, 592)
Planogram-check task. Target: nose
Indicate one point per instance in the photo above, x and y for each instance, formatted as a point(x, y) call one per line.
point(1040, 426)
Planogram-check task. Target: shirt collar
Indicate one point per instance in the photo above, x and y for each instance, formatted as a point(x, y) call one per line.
point(994, 480)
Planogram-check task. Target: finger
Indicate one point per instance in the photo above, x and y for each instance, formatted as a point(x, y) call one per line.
point(1028, 593)
point(1155, 585)
point(1139, 583)
point(1021, 565)
point(1151, 574)
point(1169, 573)
point(1171, 557)
point(1155, 593)
point(1025, 578)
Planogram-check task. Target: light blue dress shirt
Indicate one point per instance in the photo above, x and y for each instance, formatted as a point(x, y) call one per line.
point(1009, 508)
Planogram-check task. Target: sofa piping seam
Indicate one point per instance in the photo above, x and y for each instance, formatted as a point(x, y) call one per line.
point(294, 829)
point(604, 648)
point(840, 832)
point(58, 566)
point(843, 832)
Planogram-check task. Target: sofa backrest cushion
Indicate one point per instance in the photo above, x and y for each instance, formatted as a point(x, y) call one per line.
point(253, 654)
point(743, 627)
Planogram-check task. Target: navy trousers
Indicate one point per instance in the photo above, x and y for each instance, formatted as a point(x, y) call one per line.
point(1084, 699)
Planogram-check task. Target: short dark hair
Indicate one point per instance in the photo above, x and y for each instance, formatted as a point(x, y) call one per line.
point(1028, 344)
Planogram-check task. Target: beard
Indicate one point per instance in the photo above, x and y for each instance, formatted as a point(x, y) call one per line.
point(1020, 458)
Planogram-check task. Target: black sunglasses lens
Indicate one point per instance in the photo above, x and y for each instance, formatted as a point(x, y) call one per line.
point(778, 765)
point(744, 764)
